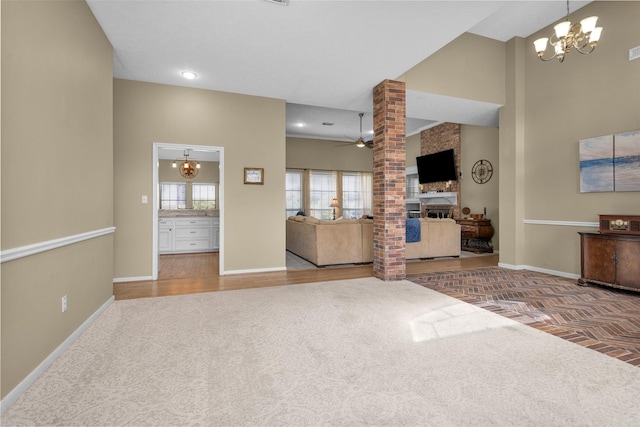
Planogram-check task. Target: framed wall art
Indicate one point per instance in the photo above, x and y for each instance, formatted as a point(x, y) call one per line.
point(610, 163)
point(596, 164)
point(626, 161)
point(254, 176)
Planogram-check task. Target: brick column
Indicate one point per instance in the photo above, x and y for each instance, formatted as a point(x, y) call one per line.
point(389, 180)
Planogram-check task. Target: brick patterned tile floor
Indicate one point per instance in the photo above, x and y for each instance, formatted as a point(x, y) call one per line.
point(602, 319)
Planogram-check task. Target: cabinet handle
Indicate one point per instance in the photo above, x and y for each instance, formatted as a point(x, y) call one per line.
point(192, 232)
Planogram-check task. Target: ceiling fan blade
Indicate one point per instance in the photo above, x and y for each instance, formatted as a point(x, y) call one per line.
point(345, 144)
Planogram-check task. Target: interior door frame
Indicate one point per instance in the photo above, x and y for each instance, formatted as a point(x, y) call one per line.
point(155, 253)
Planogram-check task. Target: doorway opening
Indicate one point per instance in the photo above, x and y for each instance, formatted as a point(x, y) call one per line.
point(204, 153)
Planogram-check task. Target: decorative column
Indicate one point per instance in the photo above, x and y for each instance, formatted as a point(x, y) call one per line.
point(389, 180)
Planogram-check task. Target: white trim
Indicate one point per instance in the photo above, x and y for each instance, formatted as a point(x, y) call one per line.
point(36, 248)
point(131, 279)
point(39, 370)
point(539, 270)
point(256, 270)
point(562, 223)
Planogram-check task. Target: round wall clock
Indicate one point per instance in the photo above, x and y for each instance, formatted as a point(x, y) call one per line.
point(482, 171)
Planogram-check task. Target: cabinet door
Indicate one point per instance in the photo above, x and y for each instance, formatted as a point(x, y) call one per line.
point(165, 240)
point(628, 263)
point(598, 258)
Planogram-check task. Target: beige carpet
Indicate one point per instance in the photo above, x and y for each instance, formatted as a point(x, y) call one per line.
point(356, 352)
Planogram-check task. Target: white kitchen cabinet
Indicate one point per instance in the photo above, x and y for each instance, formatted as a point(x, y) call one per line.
point(165, 235)
point(188, 234)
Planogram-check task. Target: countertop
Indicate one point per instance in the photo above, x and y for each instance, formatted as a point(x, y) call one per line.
point(176, 213)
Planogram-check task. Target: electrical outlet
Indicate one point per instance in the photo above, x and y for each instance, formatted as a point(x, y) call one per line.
point(64, 303)
point(144, 199)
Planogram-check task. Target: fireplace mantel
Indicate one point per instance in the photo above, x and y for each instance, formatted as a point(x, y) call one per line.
point(433, 198)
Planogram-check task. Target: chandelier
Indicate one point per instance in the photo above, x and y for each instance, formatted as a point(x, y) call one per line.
point(583, 37)
point(188, 168)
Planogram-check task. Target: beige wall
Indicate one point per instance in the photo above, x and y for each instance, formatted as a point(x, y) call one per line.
point(57, 108)
point(252, 132)
point(480, 143)
point(583, 97)
point(303, 153)
point(413, 149)
point(470, 67)
point(511, 164)
point(209, 172)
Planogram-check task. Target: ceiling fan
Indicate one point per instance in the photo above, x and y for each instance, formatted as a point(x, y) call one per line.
point(360, 142)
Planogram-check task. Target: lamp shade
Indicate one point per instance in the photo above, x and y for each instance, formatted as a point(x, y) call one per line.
point(334, 203)
point(541, 44)
point(562, 29)
point(588, 24)
point(595, 34)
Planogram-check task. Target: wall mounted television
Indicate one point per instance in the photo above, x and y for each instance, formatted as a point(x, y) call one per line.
point(437, 167)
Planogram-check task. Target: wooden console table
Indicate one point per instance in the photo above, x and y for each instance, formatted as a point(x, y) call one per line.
point(610, 260)
point(476, 235)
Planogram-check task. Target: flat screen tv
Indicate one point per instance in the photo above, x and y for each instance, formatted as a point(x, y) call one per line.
point(437, 167)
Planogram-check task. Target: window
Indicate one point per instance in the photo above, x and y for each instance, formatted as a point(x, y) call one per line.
point(293, 192)
point(203, 196)
point(413, 186)
point(173, 195)
point(356, 194)
point(322, 188)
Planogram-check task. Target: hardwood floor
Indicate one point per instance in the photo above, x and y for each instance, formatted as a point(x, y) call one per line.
point(195, 273)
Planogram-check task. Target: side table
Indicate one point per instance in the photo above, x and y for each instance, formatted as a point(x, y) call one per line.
point(476, 235)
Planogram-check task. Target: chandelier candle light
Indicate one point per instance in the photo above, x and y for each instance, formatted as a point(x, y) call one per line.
point(188, 168)
point(583, 37)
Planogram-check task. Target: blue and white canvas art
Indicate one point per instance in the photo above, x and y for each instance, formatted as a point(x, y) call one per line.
point(596, 164)
point(626, 161)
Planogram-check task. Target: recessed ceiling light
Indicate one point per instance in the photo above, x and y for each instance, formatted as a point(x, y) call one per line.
point(300, 125)
point(190, 75)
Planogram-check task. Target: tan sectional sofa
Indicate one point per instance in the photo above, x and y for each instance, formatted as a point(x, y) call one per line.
point(350, 241)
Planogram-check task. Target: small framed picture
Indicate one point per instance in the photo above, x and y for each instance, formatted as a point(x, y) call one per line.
point(254, 176)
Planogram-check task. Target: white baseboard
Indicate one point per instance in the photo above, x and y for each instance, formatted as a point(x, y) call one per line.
point(539, 270)
point(131, 279)
point(257, 270)
point(33, 376)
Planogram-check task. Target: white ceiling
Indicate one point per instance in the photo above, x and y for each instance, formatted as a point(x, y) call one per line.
point(323, 57)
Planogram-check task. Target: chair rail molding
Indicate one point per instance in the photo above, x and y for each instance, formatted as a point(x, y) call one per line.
point(561, 223)
point(36, 248)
